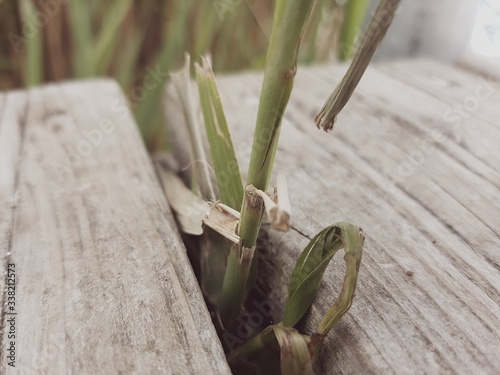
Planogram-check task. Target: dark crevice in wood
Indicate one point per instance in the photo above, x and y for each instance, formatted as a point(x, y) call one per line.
point(300, 232)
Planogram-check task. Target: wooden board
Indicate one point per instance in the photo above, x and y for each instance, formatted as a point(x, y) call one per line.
point(425, 188)
point(103, 283)
point(489, 67)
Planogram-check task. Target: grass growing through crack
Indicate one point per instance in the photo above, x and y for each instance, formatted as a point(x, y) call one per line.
point(296, 352)
point(110, 38)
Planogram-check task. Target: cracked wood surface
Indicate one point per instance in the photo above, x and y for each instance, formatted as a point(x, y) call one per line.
point(103, 282)
point(413, 160)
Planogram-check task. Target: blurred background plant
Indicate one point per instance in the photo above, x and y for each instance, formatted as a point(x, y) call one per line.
point(138, 41)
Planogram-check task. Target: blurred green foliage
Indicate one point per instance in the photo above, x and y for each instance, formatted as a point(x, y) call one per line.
point(138, 41)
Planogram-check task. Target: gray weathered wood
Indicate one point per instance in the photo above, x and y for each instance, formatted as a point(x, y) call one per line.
point(489, 67)
point(424, 188)
point(103, 283)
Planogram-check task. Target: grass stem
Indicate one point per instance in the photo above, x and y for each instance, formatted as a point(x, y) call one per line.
point(289, 23)
point(240, 260)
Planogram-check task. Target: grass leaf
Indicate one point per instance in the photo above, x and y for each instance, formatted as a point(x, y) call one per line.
point(149, 114)
point(125, 71)
point(227, 172)
point(200, 178)
point(33, 74)
point(108, 37)
point(81, 20)
point(353, 239)
point(354, 14)
point(312, 263)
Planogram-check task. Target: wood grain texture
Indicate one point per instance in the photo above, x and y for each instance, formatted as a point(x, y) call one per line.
point(489, 67)
point(103, 283)
point(422, 181)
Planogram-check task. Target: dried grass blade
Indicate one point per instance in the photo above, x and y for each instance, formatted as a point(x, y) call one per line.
point(377, 28)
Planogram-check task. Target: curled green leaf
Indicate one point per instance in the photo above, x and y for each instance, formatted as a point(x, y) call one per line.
point(309, 270)
point(353, 239)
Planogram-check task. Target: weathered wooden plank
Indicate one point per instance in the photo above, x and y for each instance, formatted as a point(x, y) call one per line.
point(432, 110)
point(103, 283)
point(417, 155)
point(489, 67)
point(470, 99)
point(428, 295)
point(10, 145)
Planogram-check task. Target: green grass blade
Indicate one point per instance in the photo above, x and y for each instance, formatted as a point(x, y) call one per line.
point(149, 112)
point(207, 28)
point(126, 68)
point(377, 28)
point(227, 172)
point(106, 42)
point(80, 16)
point(311, 33)
point(308, 272)
point(33, 74)
point(312, 263)
point(354, 14)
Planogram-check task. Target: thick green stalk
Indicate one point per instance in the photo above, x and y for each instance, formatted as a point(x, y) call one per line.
point(233, 290)
point(239, 262)
point(290, 19)
point(252, 209)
